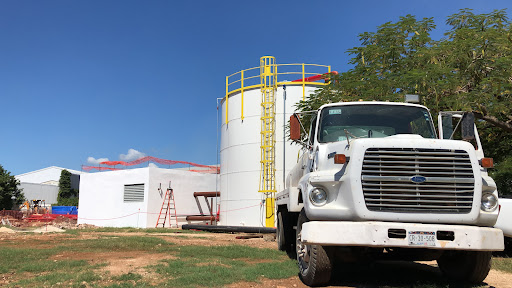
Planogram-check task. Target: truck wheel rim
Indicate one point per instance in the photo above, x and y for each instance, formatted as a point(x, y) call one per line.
point(303, 254)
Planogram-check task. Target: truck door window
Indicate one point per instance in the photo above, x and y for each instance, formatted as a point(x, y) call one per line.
point(312, 131)
point(452, 127)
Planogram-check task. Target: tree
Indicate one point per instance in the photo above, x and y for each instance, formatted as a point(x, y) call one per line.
point(8, 189)
point(67, 196)
point(469, 70)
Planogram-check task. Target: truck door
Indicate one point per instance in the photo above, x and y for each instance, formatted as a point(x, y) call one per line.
point(460, 126)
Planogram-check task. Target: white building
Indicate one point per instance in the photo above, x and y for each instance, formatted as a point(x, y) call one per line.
point(35, 191)
point(50, 176)
point(43, 184)
point(134, 197)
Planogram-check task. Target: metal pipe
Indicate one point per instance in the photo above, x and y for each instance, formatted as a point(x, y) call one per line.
point(217, 151)
point(207, 194)
point(245, 229)
point(284, 137)
point(200, 218)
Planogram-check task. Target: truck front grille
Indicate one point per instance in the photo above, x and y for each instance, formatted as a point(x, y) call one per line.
point(417, 180)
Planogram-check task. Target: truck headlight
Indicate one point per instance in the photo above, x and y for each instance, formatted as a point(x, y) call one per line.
point(489, 202)
point(318, 196)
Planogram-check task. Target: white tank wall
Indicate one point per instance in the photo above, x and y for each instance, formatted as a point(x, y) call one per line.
point(240, 154)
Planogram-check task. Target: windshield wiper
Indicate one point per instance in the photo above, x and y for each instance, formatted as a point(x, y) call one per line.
point(347, 134)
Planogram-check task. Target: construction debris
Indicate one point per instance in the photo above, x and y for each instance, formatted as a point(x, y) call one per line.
point(248, 236)
point(6, 222)
point(48, 229)
point(6, 230)
point(86, 226)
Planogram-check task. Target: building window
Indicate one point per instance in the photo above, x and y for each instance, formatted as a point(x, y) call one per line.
point(134, 193)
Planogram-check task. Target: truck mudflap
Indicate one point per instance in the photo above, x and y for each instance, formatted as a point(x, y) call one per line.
point(406, 235)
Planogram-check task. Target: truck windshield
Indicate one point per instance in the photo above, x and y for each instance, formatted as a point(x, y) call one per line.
point(373, 121)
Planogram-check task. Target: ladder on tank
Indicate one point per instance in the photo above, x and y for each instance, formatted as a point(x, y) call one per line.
point(168, 208)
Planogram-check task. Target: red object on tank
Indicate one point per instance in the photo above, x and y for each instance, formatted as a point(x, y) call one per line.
point(316, 77)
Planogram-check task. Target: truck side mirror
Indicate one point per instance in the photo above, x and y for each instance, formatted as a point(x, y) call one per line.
point(294, 127)
point(467, 126)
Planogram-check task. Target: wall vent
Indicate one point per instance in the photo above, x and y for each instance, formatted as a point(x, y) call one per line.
point(133, 193)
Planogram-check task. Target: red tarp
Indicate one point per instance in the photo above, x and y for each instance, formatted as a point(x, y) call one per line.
point(153, 159)
point(210, 169)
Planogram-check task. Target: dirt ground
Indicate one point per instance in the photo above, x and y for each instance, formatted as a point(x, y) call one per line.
point(389, 274)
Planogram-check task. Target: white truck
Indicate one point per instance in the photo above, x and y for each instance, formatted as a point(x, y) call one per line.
point(504, 223)
point(376, 182)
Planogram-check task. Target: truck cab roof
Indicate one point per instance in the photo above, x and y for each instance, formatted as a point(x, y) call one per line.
point(372, 103)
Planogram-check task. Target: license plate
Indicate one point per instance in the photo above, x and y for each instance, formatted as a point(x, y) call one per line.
point(422, 238)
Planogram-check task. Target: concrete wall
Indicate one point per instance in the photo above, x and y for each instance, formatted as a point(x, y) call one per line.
point(184, 184)
point(101, 196)
point(101, 199)
point(32, 191)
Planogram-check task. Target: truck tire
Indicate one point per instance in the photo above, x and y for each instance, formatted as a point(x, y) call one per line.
point(281, 239)
point(508, 247)
point(465, 266)
point(315, 264)
point(285, 236)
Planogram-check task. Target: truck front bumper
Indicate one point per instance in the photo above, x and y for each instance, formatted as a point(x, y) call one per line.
point(393, 234)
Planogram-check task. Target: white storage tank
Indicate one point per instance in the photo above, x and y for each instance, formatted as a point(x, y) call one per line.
point(240, 149)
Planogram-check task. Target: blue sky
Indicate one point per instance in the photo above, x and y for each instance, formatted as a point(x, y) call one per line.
point(82, 79)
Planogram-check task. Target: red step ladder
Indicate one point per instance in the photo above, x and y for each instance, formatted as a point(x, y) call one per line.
point(168, 208)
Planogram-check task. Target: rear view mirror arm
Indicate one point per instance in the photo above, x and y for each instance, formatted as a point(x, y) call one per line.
point(308, 144)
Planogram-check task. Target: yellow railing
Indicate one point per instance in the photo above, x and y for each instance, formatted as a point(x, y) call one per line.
point(248, 79)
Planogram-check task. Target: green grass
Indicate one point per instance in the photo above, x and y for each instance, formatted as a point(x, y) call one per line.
point(223, 265)
point(502, 264)
point(187, 273)
point(59, 279)
point(229, 252)
point(122, 243)
point(21, 258)
point(196, 266)
point(130, 285)
point(128, 277)
point(191, 266)
point(48, 265)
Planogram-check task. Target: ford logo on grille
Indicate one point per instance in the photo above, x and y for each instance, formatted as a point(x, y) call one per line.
point(418, 179)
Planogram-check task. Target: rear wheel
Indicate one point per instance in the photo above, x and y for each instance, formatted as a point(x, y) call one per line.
point(465, 266)
point(285, 235)
point(508, 246)
point(315, 264)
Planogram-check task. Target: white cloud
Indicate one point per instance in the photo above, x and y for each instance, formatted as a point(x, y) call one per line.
point(131, 155)
point(94, 161)
point(153, 165)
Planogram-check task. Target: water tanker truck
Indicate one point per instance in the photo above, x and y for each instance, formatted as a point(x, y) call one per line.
point(375, 181)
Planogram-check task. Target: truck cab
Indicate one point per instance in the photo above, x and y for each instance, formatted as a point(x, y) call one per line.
point(376, 181)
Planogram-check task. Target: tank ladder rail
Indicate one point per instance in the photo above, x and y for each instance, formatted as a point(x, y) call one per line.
point(268, 78)
point(203, 217)
point(168, 205)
